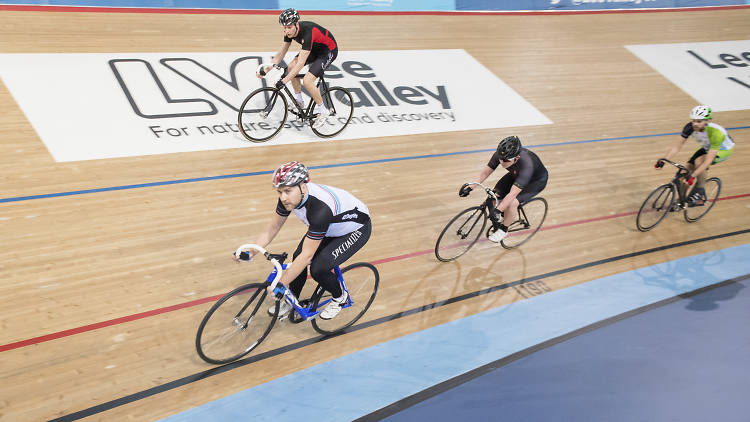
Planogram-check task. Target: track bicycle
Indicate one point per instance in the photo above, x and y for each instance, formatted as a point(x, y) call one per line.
point(264, 112)
point(672, 197)
point(463, 231)
point(238, 322)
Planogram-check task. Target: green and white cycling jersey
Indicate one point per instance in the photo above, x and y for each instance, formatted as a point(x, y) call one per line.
point(713, 137)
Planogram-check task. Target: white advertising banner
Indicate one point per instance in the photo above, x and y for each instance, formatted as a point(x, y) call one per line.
point(93, 106)
point(716, 74)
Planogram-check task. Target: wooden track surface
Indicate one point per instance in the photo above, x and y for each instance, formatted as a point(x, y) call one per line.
point(67, 262)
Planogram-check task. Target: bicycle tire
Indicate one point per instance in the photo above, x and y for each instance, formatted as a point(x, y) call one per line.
point(713, 189)
point(441, 250)
point(221, 326)
point(362, 287)
point(336, 102)
point(517, 236)
point(250, 114)
point(657, 204)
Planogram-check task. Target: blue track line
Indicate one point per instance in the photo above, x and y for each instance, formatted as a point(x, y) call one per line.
point(349, 164)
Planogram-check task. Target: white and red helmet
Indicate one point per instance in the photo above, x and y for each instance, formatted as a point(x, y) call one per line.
point(292, 173)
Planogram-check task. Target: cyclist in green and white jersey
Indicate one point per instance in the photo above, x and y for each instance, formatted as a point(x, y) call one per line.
point(716, 146)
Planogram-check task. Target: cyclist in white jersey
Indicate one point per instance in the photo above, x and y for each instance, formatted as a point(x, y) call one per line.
point(338, 226)
point(716, 146)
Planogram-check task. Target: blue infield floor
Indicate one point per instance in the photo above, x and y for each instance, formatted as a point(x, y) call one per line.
point(654, 364)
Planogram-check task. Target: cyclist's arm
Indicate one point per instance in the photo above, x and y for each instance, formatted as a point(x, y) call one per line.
point(271, 230)
point(301, 59)
point(486, 171)
point(309, 246)
point(267, 236)
point(675, 148)
point(280, 55)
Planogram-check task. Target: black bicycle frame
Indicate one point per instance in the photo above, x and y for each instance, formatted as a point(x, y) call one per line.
point(308, 112)
point(682, 173)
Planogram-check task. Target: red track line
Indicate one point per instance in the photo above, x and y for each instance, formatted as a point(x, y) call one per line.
point(116, 321)
point(107, 323)
point(104, 9)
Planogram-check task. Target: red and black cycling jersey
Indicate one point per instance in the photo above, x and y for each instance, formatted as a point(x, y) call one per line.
point(314, 38)
point(527, 169)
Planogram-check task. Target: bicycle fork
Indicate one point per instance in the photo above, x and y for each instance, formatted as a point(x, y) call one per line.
point(340, 277)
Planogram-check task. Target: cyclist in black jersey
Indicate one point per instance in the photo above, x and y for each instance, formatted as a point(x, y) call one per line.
point(319, 50)
point(338, 226)
point(526, 177)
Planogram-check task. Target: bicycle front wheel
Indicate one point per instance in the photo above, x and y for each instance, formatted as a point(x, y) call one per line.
point(361, 280)
point(655, 207)
point(262, 114)
point(531, 216)
point(340, 104)
point(713, 189)
point(235, 325)
point(461, 233)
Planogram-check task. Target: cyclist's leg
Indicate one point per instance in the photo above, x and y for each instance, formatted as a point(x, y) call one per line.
point(295, 81)
point(335, 253)
point(701, 178)
point(502, 187)
point(298, 283)
point(692, 164)
point(318, 65)
point(531, 190)
point(534, 188)
point(722, 155)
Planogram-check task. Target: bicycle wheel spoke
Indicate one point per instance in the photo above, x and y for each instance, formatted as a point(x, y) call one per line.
point(262, 114)
point(655, 207)
point(531, 216)
point(341, 107)
point(235, 325)
point(361, 281)
point(695, 212)
point(460, 234)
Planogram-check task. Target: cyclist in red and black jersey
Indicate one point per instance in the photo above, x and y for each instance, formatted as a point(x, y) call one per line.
point(319, 49)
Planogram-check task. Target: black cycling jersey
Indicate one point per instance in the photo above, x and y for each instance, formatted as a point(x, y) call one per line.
point(527, 169)
point(314, 38)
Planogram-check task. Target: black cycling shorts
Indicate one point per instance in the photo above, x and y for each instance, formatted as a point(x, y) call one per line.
point(320, 62)
point(332, 251)
point(502, 187)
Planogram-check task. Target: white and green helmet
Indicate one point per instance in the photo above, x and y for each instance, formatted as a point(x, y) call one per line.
point(700, 112)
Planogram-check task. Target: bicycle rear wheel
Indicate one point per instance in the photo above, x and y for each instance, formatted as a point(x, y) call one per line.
point(712, 187)
point(460, 234)
point(531, 216)
point(655, 207)
point(361, 280)
point(262, 114)
point(341, 106)
point(235, 325)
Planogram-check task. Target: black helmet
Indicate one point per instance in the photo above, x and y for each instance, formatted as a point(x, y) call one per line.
point(288, 17)
point(509, 147)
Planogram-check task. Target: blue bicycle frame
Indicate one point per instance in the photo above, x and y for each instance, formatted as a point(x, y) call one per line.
point(307, 312)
